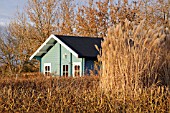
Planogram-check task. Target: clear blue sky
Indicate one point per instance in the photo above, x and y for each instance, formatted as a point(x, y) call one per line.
point(8, 9)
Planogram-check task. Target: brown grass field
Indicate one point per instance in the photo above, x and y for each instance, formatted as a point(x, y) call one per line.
point(83, 94)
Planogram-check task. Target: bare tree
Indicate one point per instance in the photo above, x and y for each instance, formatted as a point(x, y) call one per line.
point(86, 20)
point(7, 53)
point(42, 15)
point(66, 15)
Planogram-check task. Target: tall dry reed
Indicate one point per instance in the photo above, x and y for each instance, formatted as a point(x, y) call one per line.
point(135, 57)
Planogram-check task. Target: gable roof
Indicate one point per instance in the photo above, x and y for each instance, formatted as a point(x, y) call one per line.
point(83, 46)
point(78, 46)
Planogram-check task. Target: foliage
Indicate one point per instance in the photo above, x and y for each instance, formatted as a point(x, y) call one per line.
point(41, 94)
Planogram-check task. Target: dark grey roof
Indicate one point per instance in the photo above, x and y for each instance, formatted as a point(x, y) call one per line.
point(83, 46)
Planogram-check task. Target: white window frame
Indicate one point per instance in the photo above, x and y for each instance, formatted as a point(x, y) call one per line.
point(47, 64)
point(79, 64)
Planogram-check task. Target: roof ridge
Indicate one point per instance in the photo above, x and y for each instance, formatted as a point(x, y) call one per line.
point(79, 36)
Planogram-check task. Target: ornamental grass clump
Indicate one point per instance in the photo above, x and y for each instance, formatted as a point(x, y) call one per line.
point(135, 56)
point(136, 66)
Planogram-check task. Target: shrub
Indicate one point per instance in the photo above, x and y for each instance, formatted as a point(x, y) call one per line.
point(82, 94)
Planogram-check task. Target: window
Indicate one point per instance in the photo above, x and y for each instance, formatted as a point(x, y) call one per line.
point(77, 70)
point(47, 68)
point(65, 70)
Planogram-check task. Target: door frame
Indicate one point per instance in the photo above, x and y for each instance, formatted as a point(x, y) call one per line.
point(76, 63)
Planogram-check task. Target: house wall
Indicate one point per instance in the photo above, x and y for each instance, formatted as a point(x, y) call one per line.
point(69, 60)
point(53, 57)
point(89, 65)
point(57, 61)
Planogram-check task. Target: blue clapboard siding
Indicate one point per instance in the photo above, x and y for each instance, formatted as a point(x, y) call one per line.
point(52, 56)
point(68, 61)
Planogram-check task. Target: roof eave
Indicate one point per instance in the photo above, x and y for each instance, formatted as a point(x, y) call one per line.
point(59, 41)
point(38, 50)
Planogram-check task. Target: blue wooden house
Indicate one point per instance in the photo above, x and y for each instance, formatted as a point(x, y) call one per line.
point(67, 55)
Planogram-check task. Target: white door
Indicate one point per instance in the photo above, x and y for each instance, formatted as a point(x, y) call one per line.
point(47, 68)
point(76, 69)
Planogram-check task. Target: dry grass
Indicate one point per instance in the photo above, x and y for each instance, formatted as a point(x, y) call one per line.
point(136, 66)
point(135, 56)
point(40, 94)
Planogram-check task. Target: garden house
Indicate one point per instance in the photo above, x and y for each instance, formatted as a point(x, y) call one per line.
point(67, 55)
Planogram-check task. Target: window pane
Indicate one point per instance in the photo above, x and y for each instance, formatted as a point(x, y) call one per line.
point(66, 67)
point(48, 68)
point(63, 67)
point(45, 68)
point(66, 74)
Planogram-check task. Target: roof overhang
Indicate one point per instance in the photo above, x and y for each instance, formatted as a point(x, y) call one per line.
point(49, 43)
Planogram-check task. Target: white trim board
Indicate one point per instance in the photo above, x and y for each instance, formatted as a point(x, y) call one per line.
point(65, 46)
point(59, 41)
